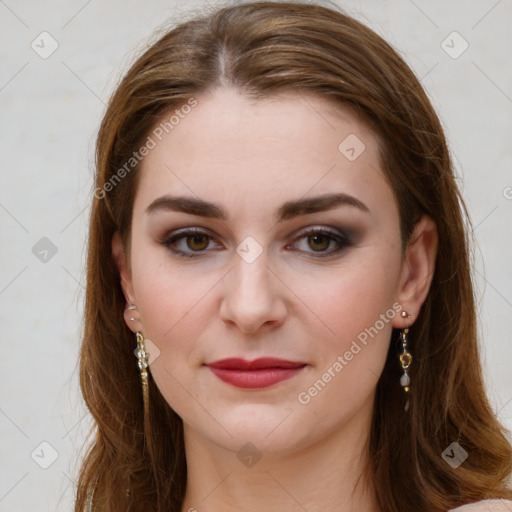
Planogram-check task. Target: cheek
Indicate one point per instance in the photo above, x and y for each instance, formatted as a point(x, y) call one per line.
point(174, 309)
point(351, 354)
point(354, 326)
point(177, 303)
point(349, 300)
point(166, 291)
point(174, 305)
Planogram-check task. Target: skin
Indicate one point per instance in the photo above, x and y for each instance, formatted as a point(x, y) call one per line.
point(249, 157)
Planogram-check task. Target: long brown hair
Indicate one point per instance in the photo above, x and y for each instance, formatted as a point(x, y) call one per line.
point(261, 49)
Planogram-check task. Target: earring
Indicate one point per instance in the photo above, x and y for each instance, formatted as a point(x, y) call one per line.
point(405, 360)
point(132, 307)
point(143, 367)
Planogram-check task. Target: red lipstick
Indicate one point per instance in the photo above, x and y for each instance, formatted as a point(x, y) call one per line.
point(260, 373)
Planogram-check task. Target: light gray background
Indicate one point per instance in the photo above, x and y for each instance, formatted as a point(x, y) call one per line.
point(50, 112)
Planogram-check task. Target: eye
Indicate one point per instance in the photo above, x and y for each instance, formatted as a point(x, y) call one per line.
point(322, 241)
point(188, 242)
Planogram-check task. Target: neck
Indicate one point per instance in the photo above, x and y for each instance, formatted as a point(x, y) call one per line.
point(328, 476)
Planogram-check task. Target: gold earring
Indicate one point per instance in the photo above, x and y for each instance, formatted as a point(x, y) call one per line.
point(143, 367)
point(405, 360)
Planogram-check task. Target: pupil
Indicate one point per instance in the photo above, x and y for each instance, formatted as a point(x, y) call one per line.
point(317, 239)
point(196, 241)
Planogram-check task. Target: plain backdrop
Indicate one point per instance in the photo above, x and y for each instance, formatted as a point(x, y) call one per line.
point(51, 106)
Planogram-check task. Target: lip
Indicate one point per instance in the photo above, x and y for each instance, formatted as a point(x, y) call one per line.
point(260, 373)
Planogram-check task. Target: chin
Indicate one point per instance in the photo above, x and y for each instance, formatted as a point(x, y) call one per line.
point(269, 429)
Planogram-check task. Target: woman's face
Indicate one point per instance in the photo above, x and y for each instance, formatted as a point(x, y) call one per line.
point(266, 230)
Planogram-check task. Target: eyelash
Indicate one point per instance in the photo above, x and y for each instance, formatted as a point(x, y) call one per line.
point(341, 239)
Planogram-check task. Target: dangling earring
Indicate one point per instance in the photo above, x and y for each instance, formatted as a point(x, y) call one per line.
point(405, 360)
point(143, 367)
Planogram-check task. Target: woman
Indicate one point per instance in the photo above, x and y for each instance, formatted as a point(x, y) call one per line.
point(276, 232)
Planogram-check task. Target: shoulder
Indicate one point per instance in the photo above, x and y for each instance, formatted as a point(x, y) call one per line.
point(486, 506)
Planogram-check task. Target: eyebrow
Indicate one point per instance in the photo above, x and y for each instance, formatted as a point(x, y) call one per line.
point(286, 211)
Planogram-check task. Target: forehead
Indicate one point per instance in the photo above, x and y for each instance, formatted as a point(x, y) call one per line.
point(229, 146)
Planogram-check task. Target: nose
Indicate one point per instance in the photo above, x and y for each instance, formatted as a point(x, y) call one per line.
point(253, 296)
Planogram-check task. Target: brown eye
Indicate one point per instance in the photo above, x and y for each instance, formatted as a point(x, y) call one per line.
point(322, 241)
point(319, 242)
point(197, 242)
point(190, 243)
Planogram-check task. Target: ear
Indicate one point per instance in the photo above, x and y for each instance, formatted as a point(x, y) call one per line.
point(131, 315)
point(417, 270)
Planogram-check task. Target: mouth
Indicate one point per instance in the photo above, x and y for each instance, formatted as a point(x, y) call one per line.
point(257, 374)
